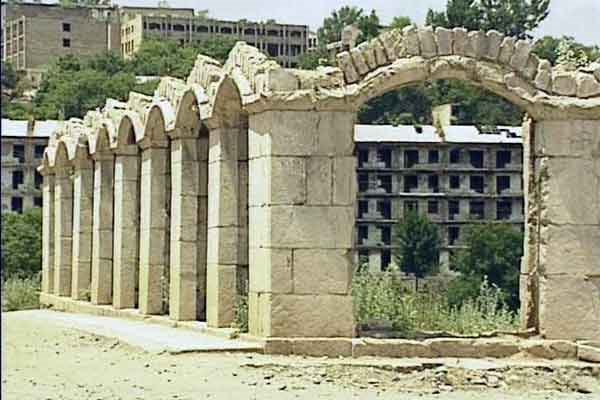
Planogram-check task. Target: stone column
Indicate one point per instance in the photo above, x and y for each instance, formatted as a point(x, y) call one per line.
point(63, 230)
point(560, 281)
point(302, 214)
point(186, 223)
point(102, 231)
point(48, 231)
point(223, 224)
point(83, 200)
point(126, 227)
point(154, 227)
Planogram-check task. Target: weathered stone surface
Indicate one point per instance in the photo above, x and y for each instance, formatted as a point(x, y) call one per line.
point(381, 57)
point(587, 86)
point(319, 271)
point(410, 40)
point(507, 49)
point(444, 39)
point(319, 183)
point(368, 55)
point(477, 45)
point(571, 249)
point(521, 55)
point(359, 62)
point(460, 41)
point(220, 295)
point(272, 270)
point(549, 349)
point(551, 140)
point(570, 307)
point(494, 39)
point(344, 181)
point(543, 79)
point(389, 41)
point(588, 353)
point(344, 61)
point(398, 348)
point(563, 83)
point(322, 347)
point(531, 67)
point(427, 42)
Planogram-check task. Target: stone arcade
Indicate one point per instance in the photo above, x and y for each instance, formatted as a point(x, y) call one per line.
point(246, 173)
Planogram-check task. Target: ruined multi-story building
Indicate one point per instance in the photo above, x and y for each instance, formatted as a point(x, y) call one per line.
point(34, 34)
point(284, 42)
point(461, 177)
point(23, 144)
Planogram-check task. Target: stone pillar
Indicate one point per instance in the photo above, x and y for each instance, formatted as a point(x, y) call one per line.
point(187, 220)
point(102, 230)
point(48, 231)
point(126, 227)
point(63, 230)
point(83, 200)
point(154, 228)
point(302, 215)
point(222, 234)
point(560, 281)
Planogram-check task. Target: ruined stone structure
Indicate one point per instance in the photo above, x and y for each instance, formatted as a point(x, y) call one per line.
point(250, 167)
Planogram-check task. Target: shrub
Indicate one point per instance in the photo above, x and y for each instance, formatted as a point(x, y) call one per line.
point(21, 244)
point(382, 297)
point(20, 293)
point(241, 313)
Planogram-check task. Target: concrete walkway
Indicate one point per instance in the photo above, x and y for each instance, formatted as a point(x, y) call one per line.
point(149, 337)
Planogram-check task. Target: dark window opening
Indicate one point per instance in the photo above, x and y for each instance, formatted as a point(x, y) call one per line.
point(384, 207)
point(503, 157)
point(410, 182)
point(66, 27)
point(226, 30)
point(178, 28)
point(455, 156)
point(386, 259)
point(385, 156)
point(66, 42)
point(363, 233)
point(453, 235)
point(249, 31)
point(202, 28)
point(432, 207)
point(476, 183)
point(411, 157)
point(295, 34)
point(363, 157)
point(154, 26)
point(363, 182)
point(39, 150)
point(386, 235)
point(16, 204)
point(411, 206)
point(19, 152)
point(503, 210)
point(37, 202)
point(476, 158)
point(433, 157)
point(272, 33)
point(385, 182)
point(453, 208)
point(477, 209)
point(39, 179)
point(363, 208)
point(502, 183)
point(17, 179)
point(454, 181)
point(433, 183)
point(273, 49)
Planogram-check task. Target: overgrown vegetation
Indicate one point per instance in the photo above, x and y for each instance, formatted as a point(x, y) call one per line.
point(241, 313)
point(384, 297)
point(21, 259)
point(20, 293)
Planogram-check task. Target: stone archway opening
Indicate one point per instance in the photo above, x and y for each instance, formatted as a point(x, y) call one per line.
point(462, 175)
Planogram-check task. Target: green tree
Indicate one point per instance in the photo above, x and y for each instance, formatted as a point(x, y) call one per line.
point(21, 244)
point(493, 251)
point(9, 76)
point(331, 31)
point(512, 17)
point(400, 22)
point(417, 242)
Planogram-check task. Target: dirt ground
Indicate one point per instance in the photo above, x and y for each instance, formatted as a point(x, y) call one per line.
point(45, 361)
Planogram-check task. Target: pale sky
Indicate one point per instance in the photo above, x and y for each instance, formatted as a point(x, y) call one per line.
point(578, 18)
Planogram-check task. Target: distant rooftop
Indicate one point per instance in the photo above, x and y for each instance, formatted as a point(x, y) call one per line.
point(428, 134)
point(18, 128)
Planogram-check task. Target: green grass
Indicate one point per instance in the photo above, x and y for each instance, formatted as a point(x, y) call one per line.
point(383, 297)
point(20, 294)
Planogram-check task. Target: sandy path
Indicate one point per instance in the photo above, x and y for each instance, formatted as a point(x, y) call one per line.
point(42, 360)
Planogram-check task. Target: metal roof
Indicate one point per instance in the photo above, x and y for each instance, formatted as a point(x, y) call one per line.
point(428, 134)
point(17, 128)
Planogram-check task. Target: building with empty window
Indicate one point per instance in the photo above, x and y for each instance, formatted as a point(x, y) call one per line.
point(23, 144)
point(284, 42)
point(461, 177)
point(35, 34)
